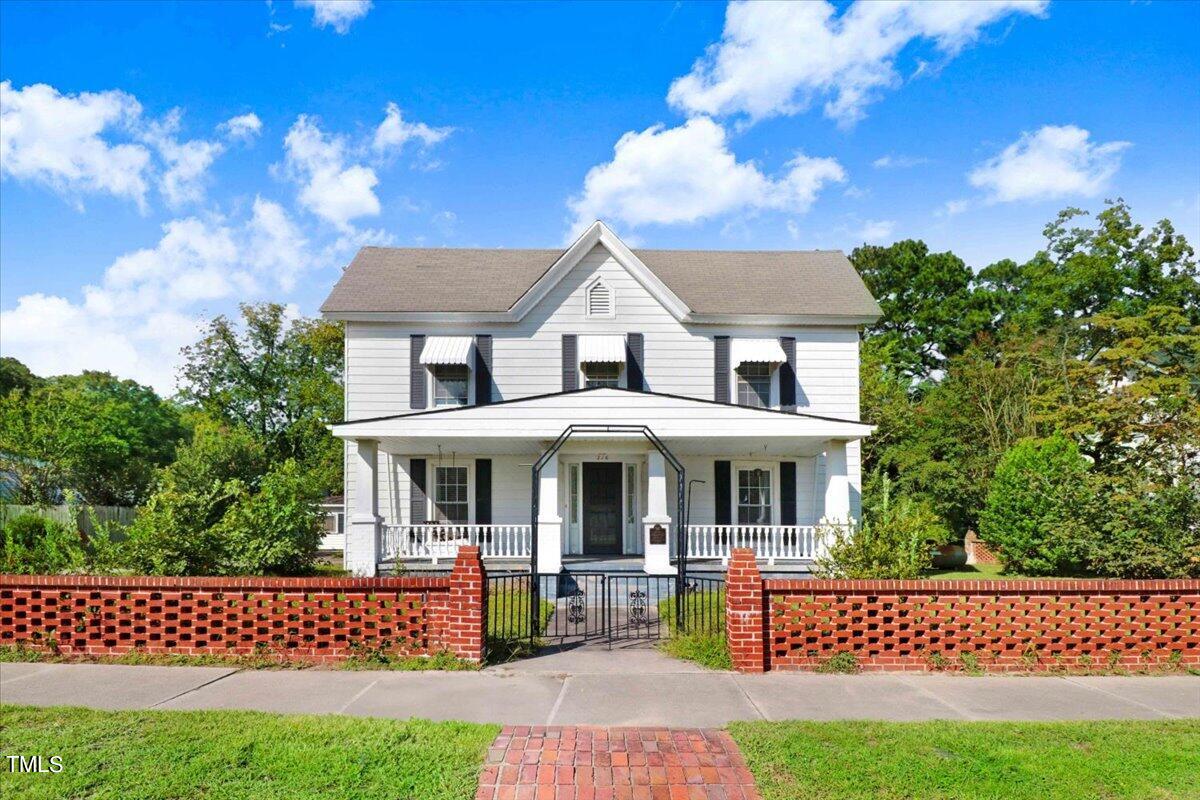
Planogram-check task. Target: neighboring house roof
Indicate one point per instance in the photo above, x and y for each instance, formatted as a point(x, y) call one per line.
point(708, 282)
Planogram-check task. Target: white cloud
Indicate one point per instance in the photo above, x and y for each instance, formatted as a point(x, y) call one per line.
point(186, 163)
point(898, 162)
point(1054, 161)
point(686, 174)
point(336, 14)
point(329, 187)
point(777, 58)
point(877, 231)
point(57, 140)
point(149, 301)
point(394, 132)
point(243, 128)
point(952, 208)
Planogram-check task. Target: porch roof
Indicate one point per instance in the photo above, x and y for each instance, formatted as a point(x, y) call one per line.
point(526, 425)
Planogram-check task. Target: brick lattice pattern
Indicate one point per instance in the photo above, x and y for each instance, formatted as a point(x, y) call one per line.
point(312, 619)
point(585, 763)
point(1019, 625)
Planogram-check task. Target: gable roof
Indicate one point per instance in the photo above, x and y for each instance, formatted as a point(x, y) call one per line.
point(391, 280)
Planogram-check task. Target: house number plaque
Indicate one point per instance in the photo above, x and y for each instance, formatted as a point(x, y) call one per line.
point(658, 535)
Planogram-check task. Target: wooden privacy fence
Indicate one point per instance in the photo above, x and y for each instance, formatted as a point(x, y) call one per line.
point(999, 625)
point(84, 518)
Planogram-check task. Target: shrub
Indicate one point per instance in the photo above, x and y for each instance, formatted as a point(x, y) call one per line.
point(1141, 531)
point(1034, 509)
point(219, 510)
point(895, 542)
point(33, 545)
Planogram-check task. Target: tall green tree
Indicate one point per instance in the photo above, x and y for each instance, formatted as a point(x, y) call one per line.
point(94, 436)
point(1116, 267)
point(276, 377)
point(15, 375)
point(930, 312)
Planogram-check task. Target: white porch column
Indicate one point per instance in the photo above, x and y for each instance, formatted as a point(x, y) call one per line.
point(362, 538)
point(837, 482)
point(658, 556)
point(549, 524)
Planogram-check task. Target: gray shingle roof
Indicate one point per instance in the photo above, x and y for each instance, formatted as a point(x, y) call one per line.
point(820, 282)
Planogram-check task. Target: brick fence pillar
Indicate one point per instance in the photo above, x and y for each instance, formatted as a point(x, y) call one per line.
point(744, 620)
point(467, 617)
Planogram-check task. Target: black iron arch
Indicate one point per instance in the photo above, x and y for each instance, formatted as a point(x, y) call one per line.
point(535, 499)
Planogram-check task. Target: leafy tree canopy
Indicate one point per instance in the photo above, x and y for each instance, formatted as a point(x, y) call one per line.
point(276, 377)
point(93, 436)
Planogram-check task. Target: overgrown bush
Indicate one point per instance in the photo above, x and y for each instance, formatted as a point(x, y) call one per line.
point(34, 545)
point(1141, 531)
point(1034, 513)
point(221, 509)
point(897, 541)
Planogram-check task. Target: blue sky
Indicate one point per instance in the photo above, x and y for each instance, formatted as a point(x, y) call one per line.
point(162, 162)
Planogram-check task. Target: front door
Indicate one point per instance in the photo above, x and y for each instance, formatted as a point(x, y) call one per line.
point(601, 508)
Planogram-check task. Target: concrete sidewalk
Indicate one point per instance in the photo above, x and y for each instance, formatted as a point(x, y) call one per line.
point(648, 690)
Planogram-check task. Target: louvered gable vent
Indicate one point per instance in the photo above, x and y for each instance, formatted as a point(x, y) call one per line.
point(599, 300)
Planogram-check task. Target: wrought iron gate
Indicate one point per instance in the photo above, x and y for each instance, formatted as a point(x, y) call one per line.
point(599, 607)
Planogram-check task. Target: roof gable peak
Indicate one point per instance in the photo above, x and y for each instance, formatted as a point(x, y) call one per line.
point(599, 234)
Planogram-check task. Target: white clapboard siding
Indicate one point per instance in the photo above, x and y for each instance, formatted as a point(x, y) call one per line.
point(527, 361)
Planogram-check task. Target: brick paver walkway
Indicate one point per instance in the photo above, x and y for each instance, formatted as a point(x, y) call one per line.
point(586, 763)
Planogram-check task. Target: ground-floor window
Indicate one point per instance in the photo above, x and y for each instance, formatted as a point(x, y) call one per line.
point(754, 501)
point(450, 494)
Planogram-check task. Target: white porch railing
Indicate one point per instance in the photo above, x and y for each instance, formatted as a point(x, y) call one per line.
point(442, 541)
point(772, 542)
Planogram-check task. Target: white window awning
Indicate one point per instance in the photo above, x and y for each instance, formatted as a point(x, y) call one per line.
point(756, 351)
point(447, 350)
point(602, 349)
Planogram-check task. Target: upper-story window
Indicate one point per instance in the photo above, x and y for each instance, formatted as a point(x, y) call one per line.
point(601, 360)
point(755, 364)
point(450, 384)
point(754, 384)
point(448, 359)
point(606, 374)
point(599, 300)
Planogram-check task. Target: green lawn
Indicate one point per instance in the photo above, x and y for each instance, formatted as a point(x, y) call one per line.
point(508, 615)
point(239, 755)
point(978, 572)
point(703, 640)
point(973, 760)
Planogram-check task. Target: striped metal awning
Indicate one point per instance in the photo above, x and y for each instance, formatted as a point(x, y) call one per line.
point(602, 349)
point(447, 350)
point(756, 351)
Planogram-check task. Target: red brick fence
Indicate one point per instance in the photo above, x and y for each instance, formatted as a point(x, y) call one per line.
point(314, 619)
point(933, 625)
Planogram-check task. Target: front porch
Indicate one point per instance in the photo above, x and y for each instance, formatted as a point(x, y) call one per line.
point(425, 484)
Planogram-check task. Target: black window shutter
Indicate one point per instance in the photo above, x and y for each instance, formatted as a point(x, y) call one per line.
point(721, 369)
point(416, 372)
point(570, 363)
point(417, 507)
point(635, 351)
point(483, 491)
point(722, 491)
point(787, 492)
point(483, 369)
point(787, 377)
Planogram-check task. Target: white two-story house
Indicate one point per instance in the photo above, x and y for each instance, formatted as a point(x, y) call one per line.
point(465, 368)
